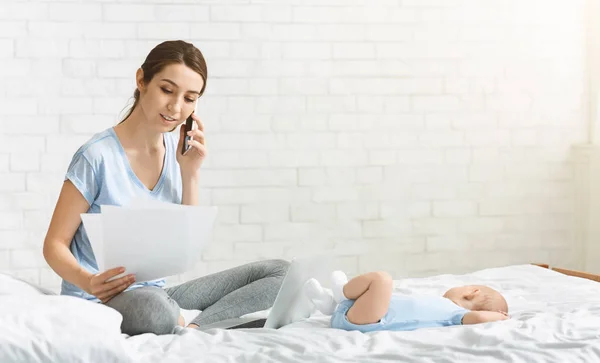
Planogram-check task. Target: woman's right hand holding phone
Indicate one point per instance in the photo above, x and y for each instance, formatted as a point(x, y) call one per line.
point(106, 290)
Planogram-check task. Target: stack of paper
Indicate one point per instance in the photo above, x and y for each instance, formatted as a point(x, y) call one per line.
point(150, 239)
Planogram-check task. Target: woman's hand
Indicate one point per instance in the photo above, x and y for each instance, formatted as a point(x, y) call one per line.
point(103, 290)
point(192, 160)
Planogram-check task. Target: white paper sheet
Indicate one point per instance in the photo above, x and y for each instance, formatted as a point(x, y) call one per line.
point(150, 239)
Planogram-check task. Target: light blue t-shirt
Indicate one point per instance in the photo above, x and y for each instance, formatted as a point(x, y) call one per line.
point(101, 171)
point(405, 313)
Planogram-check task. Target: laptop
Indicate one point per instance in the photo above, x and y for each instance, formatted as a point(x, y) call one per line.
point(291, 304)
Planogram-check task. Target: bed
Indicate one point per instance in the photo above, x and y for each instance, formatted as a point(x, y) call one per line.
point(555, 317)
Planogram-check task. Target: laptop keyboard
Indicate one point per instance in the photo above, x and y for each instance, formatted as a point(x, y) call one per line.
point(259, 323)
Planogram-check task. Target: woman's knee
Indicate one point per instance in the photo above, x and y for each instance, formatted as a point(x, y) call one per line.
point(146, 311)
point(162, 318)
point(278, 267)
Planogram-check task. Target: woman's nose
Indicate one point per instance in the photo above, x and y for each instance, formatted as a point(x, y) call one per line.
point(175, 107)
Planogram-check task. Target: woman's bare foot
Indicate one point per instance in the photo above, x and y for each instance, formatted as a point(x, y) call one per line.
point(181, 321)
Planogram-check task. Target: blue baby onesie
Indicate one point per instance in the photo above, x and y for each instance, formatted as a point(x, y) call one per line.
point(405, 313)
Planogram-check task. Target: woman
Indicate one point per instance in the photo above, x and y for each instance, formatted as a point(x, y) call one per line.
point(140, 157)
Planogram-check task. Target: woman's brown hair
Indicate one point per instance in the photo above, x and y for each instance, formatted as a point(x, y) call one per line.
point(171, 52)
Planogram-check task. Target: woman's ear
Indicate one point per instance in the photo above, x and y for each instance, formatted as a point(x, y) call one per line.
point(139, 79)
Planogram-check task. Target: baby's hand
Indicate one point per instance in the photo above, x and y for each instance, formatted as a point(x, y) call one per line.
point(478, 317)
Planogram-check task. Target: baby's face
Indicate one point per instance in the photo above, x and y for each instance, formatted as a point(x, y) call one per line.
point(466, 296)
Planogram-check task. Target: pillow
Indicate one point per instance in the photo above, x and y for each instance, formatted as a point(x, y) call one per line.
point(10, 285)
point(42, 328)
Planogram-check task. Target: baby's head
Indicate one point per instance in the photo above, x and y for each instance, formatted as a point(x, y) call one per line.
point(477, 297)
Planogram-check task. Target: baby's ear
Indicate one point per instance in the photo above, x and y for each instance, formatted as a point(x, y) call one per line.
point(472, 294)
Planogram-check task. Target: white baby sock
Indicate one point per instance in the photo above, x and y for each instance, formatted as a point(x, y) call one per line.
point(338, 280)
point(321, 298)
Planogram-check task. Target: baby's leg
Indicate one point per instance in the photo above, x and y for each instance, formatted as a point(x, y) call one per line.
point(372, 292)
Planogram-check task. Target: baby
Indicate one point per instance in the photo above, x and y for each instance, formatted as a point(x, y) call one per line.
point(366, 304)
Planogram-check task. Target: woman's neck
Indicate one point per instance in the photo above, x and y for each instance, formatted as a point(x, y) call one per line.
point(134, 134)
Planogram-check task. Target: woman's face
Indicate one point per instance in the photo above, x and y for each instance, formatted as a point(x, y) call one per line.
point(170, 97)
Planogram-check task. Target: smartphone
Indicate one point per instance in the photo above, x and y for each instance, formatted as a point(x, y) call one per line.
point(188, 127)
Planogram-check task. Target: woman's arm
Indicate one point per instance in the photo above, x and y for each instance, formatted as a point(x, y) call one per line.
point(190, 189)
point(65, 221)
point(64, 224)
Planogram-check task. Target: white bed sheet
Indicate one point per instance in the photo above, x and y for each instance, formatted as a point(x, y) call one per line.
point(554, 318)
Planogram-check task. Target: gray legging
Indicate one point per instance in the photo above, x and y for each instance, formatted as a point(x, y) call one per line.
point(223, 295)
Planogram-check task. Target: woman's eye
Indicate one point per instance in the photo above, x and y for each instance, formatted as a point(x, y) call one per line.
point(189, 100)
point(166, 91)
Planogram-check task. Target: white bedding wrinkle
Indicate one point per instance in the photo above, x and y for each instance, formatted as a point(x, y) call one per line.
point(12, 286)
point(554, 318)
point(59, 329)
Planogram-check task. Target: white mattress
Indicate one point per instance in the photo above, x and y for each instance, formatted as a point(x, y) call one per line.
point(554, 318)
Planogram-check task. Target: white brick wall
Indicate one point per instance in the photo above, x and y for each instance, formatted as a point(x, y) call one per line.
point(414, 136)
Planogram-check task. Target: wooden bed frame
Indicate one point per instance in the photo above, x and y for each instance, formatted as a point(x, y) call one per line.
point(583, 275)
